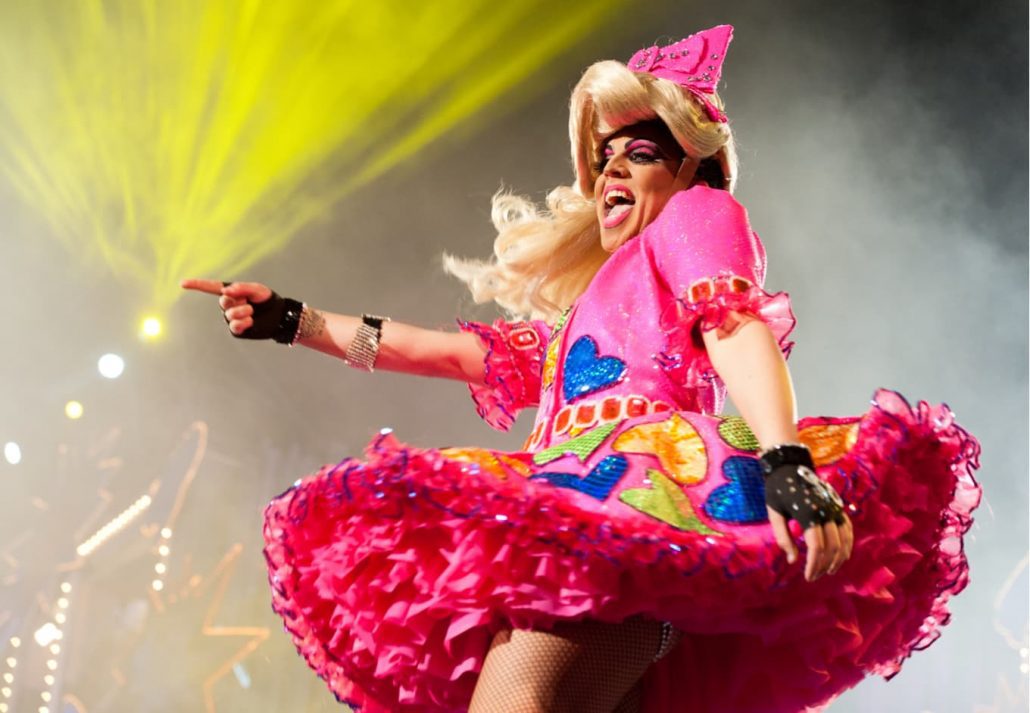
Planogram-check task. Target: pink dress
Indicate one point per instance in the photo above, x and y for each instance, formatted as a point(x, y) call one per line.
point(633, 496)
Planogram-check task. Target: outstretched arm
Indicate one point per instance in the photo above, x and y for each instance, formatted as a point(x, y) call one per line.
point(748, 360)
point(402, 347)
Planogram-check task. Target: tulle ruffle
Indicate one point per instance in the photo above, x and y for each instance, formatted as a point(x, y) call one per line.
point(684, 357)
point(515, 351)
point(393, 574)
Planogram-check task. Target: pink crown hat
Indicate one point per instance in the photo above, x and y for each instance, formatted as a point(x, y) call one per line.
point(694, 63)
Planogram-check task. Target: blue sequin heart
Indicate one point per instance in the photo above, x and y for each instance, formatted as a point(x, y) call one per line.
point(742, 500)
point(584, 372)
point(598, 483)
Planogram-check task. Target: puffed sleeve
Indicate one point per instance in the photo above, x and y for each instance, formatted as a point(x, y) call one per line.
point(703, 247)
point(513, 365)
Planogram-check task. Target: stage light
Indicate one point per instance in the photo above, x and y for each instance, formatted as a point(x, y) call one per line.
point(62, 603)
point(163, 550)
point(111, 366)
point(11, 661)
point(55, 649)
point(160, 568)
point(150, 328)
point(45, 695)
point(51, 664)
point(166, 532)
point(48, 679)
point(12, 453)
point(158, 585)
point(66, 587)
point(73, 410)
point(60, 618)
point(114, 526)
point(225, 184)
point(47, 634)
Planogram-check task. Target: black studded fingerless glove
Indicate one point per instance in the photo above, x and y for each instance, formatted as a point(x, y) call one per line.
point(276, 318)
point(793, 489)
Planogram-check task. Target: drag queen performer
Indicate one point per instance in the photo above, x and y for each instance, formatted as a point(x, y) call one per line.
point(641, 552)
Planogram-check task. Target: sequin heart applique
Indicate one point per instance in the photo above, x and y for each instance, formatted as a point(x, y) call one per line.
point(742, 500)
point(581, 446)
point(674, 442)
point(735, 431)
point(665, 501)
point(585, 372)
point(598, 483)
point(829, 442)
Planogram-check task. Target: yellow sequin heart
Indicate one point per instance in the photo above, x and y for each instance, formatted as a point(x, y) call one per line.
point(674, 442)
point(829, 442)
point(488, 461)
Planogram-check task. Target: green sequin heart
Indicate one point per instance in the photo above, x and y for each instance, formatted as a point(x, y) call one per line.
point(581, 446)
point(735, 431)
point(666, 502)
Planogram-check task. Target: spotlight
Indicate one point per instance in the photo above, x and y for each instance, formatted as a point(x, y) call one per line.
point(47, 634)
point(73, 410)
point(12, 453)
point(111, 366)
point(158, 585)
point(150, 328)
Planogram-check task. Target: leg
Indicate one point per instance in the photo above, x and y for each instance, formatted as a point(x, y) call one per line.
point(581, 667)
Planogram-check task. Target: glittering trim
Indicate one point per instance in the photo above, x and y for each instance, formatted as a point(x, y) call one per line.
point(684, 357)
point(512, 369)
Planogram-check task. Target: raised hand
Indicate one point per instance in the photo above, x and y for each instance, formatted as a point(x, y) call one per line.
point(252, 310)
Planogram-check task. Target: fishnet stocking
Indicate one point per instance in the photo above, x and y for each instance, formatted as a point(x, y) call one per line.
point(581, 667)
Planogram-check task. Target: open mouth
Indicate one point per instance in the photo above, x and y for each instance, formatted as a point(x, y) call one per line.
point(618, 202)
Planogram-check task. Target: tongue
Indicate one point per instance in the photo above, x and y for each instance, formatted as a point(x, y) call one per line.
point(618, 209)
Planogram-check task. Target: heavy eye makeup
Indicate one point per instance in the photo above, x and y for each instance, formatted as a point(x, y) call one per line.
point(639, 151)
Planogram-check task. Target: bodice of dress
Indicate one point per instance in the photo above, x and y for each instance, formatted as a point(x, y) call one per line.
point(610, 356)
point(631, 344)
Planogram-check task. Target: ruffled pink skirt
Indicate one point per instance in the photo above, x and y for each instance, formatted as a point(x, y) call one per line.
point(392, 574)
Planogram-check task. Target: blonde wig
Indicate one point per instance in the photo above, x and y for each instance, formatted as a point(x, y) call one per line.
point(545, 258)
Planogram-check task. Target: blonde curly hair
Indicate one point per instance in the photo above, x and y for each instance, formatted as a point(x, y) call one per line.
point(545, 258)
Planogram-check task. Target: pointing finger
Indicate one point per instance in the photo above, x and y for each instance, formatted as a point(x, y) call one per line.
point(212, 287)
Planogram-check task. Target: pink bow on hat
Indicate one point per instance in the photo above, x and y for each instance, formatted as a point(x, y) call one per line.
point(694, 63)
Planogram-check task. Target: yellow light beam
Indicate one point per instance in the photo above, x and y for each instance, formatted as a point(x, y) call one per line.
point(171, 138)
